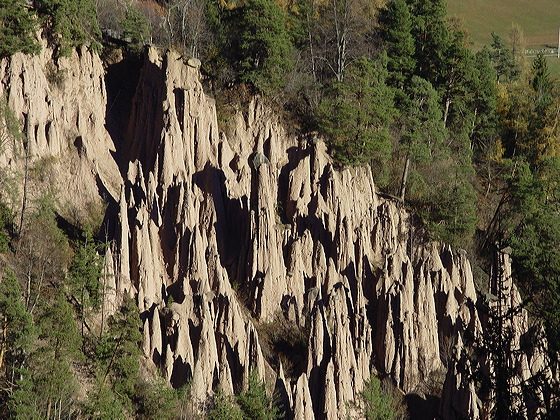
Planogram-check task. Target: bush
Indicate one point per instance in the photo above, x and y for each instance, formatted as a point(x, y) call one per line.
point(286, 342)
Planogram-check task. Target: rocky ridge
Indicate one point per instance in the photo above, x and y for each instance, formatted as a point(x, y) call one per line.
point(217, 235)
point(61, 106)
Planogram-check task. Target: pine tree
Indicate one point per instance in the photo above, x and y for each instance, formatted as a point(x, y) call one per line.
point(457, 70)
point(11, 140)
point(254, 402)
point(224, 407)
point(503, 60)
point(264, 45)
point(422, 131)
point(16, 325)
point(136, 27)
point(451, 214)
point(72, 22)
point(543, 131)
point(52, 361)
point(118, 354)
point(358, 114)
point(532, 228)
point(84, 275)
point(18, 27)
point(484, 102)
point(157, 400)
point(16, 339)
point(104, 404)
point(541, 82)
point(432, 38)
point(43, 252)
point(396, 24)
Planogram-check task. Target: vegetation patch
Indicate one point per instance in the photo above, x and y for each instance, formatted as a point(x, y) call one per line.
point(286, 342)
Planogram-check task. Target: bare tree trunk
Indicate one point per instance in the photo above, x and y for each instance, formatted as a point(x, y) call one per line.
point(446, 112)
point(103, 297)
point(24, 198)
point(83, 311)
point(49, 404)
point(404, 178)
point(113, 358)
point(341, 59)
point(473, 126)
point(311, 49)
point(4, 337)
point(341, 27)
point(28, 288)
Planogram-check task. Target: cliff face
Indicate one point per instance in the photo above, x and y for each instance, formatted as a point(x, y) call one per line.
point(61, 107)
point(219, 237)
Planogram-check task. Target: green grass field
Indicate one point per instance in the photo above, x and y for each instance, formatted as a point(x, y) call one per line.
point(538, 19)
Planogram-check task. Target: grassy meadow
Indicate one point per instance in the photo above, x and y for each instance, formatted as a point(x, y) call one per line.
point(538, 19)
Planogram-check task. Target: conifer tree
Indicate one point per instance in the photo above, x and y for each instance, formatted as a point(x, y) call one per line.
point(16, 338)
point(543, 130)
point(396, 24)
point(422, 132)
point(117, 355)
point(157, 400)
point(358, 114)
point(18, 26)
point(503, 60)
point(432, 39)
point(224, 407)
point(254, 402)
point(484, 103)
point(264, 45)
point(541, 82)
point(16, 326)
point(136, 27)
point(52, 361)
point(104, 404)
point(72, 23)
point(84, 275)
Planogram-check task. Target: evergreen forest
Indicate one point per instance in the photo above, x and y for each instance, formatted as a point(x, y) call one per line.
point(468, 141)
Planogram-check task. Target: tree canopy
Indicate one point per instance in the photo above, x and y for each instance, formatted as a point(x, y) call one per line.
point(358, 112)
point(18, 26)
point(71, 23)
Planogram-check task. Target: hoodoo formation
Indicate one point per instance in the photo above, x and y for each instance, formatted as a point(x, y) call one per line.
point(290, 223)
